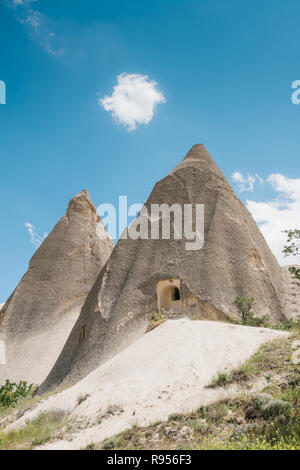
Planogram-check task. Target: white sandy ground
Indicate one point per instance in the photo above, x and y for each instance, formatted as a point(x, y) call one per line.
point(164, 372)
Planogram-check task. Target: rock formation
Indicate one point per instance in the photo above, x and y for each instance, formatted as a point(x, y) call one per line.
point(146, 275)
point(38, 317)
point(290, 293)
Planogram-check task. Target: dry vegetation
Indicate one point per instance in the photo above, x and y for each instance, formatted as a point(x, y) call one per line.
point(35, 433)
point(156, 320)
point(269, 420)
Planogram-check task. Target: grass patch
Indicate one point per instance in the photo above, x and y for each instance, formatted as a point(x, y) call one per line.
point(225, 425)
point(35, 433)
point(271, 358)
point(90, 446)
point(246, 442)
point(120, 441)
point(10, 414)
point(220, 381)
point(115, 443)
point(156, 320)
point(269, 420)
point(175, 417)
point(279, 430)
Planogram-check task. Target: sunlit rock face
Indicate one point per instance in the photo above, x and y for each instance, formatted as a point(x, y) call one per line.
point(37, 319)
point(234, 260)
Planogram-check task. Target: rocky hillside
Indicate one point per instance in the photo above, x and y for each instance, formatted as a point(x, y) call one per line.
point(200, 381)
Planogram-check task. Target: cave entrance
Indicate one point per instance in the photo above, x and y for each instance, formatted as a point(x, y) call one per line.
point(168, 295)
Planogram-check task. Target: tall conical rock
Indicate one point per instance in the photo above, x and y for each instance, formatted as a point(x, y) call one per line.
point(142, 276)
point(38, 317)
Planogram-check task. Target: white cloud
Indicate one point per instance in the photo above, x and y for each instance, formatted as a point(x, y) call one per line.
point(278, 214)
point(133, 100)
point(35, 239)
point(34, 18)
point(246, 183)
point(15, 3)
point(40, 28)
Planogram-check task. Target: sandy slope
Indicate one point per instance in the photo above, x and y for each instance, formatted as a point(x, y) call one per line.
point(162, 373)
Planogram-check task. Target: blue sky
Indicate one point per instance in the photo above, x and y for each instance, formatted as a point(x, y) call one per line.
point(223, 67)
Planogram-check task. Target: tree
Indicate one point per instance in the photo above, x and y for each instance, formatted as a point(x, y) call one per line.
point(244, 306)
point(292, 248)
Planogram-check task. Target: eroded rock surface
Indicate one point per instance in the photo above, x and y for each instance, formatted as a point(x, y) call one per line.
point(290, 293)
point(235, 260)
point(38, 317)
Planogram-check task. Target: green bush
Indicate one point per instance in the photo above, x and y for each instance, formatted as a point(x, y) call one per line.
point(291, 324)
point(292, 248)
point(254, 408)
point(156, 320)
point(175, 417)
point(276, 408)
point(248, 318)
point(244, 306)
point(109, 445)
point(219, 381)
point(11, 393)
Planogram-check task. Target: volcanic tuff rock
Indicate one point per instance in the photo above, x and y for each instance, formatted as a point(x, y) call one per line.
point(38, 317)
point(143, 276)
point(291, 293)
